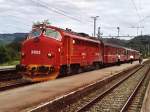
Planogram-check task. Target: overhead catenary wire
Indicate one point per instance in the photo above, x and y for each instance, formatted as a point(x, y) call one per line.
point(58, 11)
point(143, 19)
point(136, 9)
point(66, 12)
point(138, 15)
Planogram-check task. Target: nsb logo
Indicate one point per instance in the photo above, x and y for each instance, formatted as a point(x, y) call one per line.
point(35, 52)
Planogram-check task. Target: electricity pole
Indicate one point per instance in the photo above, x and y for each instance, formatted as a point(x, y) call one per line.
point(99, 32)
point(141, 32)
point(94, 18)
point(137, 28)
point(118, 28)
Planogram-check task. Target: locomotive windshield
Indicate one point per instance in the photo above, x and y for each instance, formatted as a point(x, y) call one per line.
point(35, 33)
point(52, 33)
point(48, 32)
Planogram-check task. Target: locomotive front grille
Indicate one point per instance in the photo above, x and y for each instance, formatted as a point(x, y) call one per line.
point(43, 69)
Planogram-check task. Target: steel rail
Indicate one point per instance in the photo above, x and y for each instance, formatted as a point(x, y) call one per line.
point(92, 102)
point(9, 74)
point(7, 69)
point(127, 103)
point(15, 85)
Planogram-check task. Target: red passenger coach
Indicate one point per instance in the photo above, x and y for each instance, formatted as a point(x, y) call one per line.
point(110, 55)
point(134, 53)
point(50, 51)
point(114, 54)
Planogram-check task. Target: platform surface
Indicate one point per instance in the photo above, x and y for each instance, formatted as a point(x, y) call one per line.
point(25, 98)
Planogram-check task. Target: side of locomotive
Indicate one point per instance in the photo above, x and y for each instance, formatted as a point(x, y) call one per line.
point(79, 52)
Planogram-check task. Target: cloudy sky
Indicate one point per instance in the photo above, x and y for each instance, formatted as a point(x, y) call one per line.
point(19, 15)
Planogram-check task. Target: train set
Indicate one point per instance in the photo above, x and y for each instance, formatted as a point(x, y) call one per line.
point(50, 52)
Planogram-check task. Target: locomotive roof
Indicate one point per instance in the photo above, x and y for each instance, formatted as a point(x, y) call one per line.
point(82, 36)
point(69, 32)
point(112, 45)
point(132, 50)
point(118, 46)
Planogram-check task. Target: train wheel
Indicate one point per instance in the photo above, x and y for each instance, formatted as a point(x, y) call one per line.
point(80, 70)
point(63, 71)
point(75, 69)
point(96, 66)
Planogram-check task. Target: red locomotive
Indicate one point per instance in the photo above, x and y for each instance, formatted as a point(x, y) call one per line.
point(50, 51)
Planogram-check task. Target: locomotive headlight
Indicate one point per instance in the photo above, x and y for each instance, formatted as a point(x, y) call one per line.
point(22, 54)
point(73, 41)
point(49, 55)
point(59, 50)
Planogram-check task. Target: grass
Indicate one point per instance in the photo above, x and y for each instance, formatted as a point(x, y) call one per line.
point(11, 63)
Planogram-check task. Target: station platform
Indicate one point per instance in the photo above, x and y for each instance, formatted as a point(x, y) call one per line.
point(28, 97)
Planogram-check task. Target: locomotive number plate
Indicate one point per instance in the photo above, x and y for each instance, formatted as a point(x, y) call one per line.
point(35, 52)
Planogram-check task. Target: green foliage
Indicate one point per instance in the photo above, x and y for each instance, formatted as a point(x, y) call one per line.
point(9, 38)
point(10, 46)
point(10, 63)
point(10, 52)
point(4, 54)
point(140, 43)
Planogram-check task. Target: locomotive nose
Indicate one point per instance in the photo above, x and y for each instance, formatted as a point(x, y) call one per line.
point(41, 57)
point(37, 39)
point(40, 51)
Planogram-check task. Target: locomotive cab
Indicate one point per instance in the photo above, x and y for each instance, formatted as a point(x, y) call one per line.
point(40, 54)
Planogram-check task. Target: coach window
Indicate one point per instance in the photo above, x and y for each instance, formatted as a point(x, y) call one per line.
point(125, 52)
point(52, 34)
point(117, 51)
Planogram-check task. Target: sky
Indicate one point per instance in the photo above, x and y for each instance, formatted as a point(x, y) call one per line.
point(19, 15)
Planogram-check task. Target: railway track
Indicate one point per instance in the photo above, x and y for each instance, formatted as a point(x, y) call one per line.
point(11, 84)
point(9, 79)
point(118, 93)
point(123, 96)
point(123, 92)
point(9, 74)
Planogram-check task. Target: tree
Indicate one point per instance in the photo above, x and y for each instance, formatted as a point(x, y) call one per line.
point(4, 55)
